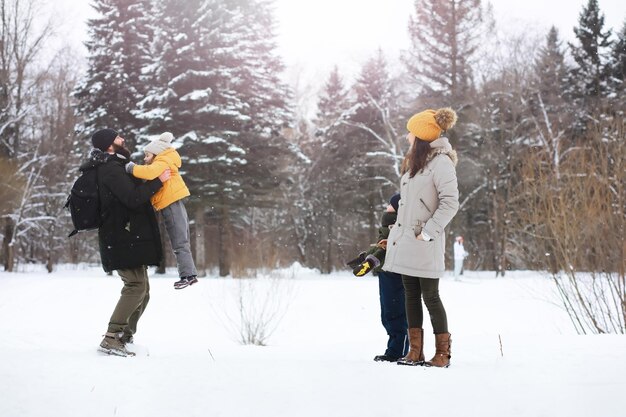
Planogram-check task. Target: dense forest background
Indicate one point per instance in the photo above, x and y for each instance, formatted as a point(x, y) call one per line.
point(541, 136)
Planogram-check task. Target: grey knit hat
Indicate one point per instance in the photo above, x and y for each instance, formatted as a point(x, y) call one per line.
point(159, 145)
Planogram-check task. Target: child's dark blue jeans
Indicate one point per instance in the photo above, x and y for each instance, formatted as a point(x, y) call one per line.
point(392, 313)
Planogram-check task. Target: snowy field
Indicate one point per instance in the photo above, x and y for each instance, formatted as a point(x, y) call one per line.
point(318, 362)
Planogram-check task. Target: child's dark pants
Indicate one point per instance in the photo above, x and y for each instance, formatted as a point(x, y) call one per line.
point(392, 313)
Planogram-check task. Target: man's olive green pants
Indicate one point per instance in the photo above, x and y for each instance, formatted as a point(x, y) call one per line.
point(133, 300)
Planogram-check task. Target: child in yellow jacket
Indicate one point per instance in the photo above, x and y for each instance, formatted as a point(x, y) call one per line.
point(159, 156)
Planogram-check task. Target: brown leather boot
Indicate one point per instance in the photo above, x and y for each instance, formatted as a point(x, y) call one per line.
point(416, 352)
point(443, 344)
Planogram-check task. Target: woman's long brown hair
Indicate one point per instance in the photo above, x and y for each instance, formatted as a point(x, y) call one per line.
point(416, 157)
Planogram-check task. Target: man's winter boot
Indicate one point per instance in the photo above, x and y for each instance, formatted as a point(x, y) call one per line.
point(127, 339)
point(368, 264)
point(112, 344)
point(443, 344)
point(415, 356)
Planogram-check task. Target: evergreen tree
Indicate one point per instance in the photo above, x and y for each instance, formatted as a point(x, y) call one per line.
point(372, 89)
point(256, 82)
point(548, 120)
point(373, 145)
point(215, 85)
point(550, 113)
point(118, 50)
point(591, 54)
point(332, 103)
point(618, 69)
point(550, 69)
point(258, 69)
point(444, 39)
point(371, 166)
point(376, 116)
point(333, 100)
point(328, 179)
point(189, 93)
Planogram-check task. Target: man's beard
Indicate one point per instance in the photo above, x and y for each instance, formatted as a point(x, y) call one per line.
point(121, 150)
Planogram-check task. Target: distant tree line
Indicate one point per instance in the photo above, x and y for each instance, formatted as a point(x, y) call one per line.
point(537, 119)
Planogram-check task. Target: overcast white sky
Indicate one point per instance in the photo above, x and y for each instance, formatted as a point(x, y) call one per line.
point(313, 35)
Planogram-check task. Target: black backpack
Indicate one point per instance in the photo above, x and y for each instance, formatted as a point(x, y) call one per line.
point(84, 202)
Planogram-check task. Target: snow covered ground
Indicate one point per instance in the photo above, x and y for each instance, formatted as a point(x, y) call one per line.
point(318, 362)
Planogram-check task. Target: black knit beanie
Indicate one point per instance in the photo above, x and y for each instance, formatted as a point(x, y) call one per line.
point(103, 138)
point(394, 200)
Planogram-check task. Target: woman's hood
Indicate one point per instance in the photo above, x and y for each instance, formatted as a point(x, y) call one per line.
point(441, 146)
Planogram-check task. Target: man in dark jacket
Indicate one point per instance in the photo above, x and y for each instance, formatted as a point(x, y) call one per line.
point(129, 236)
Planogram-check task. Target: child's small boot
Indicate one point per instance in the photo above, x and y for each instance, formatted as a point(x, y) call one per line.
point(184, 282)
point(366, 266)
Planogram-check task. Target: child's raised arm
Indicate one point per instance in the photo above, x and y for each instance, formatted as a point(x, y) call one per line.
point(147, 172)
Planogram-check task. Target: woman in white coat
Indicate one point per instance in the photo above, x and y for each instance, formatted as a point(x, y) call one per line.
point(416, 245)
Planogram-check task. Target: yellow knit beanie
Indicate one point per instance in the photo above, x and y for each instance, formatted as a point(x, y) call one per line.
point(429, 124)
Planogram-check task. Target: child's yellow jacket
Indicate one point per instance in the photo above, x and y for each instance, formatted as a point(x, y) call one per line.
point(172, 190)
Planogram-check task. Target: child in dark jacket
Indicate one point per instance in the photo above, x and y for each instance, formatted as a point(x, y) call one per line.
point(390, 288)
point(375, 257)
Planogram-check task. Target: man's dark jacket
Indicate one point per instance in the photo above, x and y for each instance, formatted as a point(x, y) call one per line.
point(129, 235)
